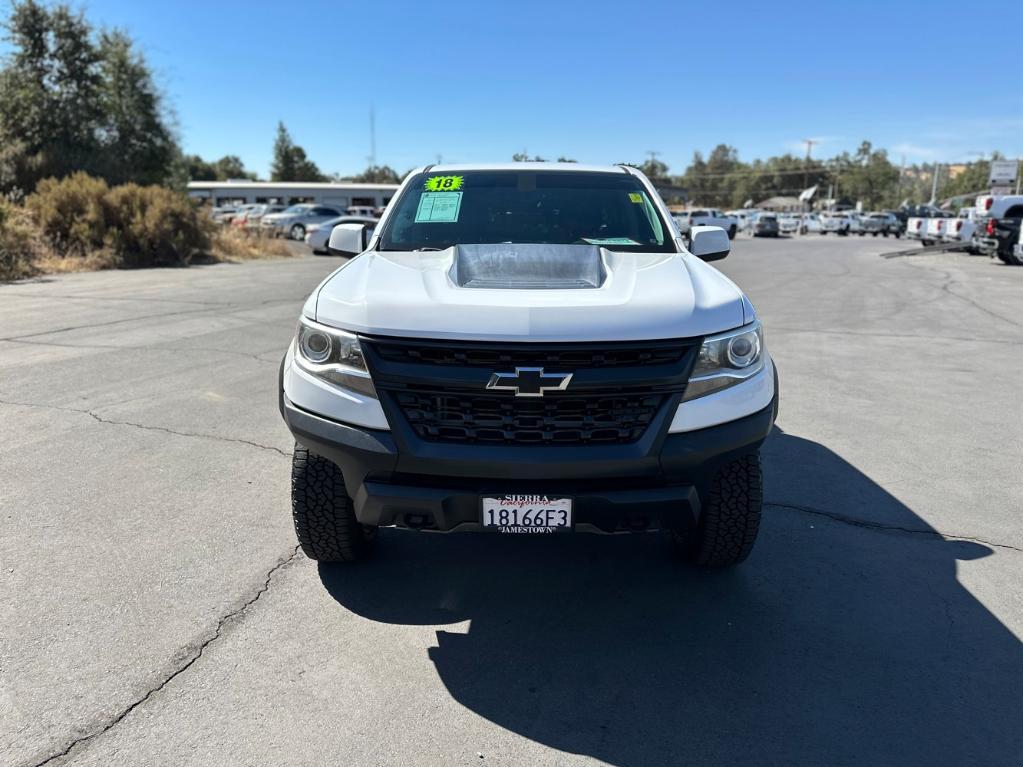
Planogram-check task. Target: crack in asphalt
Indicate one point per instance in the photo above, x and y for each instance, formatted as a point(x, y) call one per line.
point(147, 427)
point(946, 287)
point(196, 654)
point(866, 524)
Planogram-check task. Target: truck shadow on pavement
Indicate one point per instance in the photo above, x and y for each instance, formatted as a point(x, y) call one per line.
point(833, 644)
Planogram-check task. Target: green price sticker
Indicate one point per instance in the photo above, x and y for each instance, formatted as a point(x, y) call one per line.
point(443, 183)
point(636, 197)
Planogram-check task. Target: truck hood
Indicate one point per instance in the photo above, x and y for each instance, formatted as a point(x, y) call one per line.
point(640, 296)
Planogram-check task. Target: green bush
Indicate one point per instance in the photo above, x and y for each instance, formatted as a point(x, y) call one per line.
point(137, 225)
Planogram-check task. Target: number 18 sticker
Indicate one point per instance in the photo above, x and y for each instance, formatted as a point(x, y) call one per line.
point(443, 183)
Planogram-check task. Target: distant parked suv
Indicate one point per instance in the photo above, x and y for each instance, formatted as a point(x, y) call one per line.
point(528, 348)
point(706, 217)
point(294, 221)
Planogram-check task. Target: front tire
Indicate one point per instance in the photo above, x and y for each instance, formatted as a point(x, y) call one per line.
point(322, 510)
point(297, 232)
point(731, 516)
point(731, 233)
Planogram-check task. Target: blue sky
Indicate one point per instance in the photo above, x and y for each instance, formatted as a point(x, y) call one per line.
point(595, 81)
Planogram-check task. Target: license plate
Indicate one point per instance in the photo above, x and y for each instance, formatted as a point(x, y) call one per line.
point(527, 513)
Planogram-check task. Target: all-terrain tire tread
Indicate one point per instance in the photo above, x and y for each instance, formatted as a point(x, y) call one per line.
point(731, 516)
point(322, 510)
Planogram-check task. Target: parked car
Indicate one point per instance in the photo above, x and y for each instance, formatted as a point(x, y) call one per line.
point(875, 224)
point(895, 223)
point(251, 216)
point(766, 225)
point(706, 217)
point(743, 218)
point(237, 212)
point(362, 210)
point(961, 228)
point(293, 222)
point(935, 230)
point(917, 222)
point(790, 223)
point(997, 233)
point(223, 213)
point(856, 223)
point(434, 382)
point(317, 235)
point(835, 221)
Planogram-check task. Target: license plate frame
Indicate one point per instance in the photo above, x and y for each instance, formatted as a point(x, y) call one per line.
point(524, 512)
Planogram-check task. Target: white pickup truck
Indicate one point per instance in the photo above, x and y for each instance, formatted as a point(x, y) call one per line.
point(961, 228)
point(835, 221)
point(706, 217)
point(528, 348)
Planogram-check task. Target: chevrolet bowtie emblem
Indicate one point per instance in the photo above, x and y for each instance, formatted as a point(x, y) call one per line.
point(529, 382)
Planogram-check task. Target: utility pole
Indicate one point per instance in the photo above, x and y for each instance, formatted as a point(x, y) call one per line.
point(902, 174)
point(806, 168)
point(934, 184)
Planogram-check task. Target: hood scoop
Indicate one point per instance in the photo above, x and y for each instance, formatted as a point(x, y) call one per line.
point(528, 267)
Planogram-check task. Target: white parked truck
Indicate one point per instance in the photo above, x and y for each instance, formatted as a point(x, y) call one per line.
point(961, 228)
point(706, 217)
point(528, 348)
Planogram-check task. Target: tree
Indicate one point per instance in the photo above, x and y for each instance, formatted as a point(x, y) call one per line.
point(869, 177)
point(231, 166)
point(290, 162)
point(376, 174)
point(138, 145)
point(70, 101)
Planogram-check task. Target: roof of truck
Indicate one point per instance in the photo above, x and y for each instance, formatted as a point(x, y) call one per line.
point(538, 166)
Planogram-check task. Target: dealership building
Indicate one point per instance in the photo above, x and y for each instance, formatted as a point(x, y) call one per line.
point(340, 195)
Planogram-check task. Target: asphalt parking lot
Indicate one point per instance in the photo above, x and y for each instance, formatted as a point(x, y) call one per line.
point(153, 608)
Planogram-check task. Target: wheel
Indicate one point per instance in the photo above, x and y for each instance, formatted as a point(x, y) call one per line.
point(861, 233)
point(731, 516)
point(874, 233)
point(1010, 258)
point(823, 233)
point(323, 513)
point(297, 232)
point(731, 232)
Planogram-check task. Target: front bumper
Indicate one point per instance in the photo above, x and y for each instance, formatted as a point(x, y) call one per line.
point(656, 483)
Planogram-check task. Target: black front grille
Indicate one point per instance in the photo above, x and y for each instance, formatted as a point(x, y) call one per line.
point(617, 391)
point(502, 418)
point(558, 357)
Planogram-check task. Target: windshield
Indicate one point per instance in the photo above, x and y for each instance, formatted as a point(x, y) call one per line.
point(612, 210)
point(297, 209)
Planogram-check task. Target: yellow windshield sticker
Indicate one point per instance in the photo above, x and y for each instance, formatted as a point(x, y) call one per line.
point(443, 183)
point(636, 197)
point(438, 207)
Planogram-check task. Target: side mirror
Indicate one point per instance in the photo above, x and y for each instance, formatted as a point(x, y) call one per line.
point(709, 243)
point(349, 239)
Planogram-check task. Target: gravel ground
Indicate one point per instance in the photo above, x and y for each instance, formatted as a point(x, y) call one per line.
point(153, 608)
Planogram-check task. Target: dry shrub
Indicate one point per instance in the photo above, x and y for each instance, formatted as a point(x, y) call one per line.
point(84, 220)
point(153, 226)
point(71, 213)
point(233, 244)
point(20, 245)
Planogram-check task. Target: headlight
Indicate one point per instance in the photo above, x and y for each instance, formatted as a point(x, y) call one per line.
point(726, 360)
point(333, 355)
